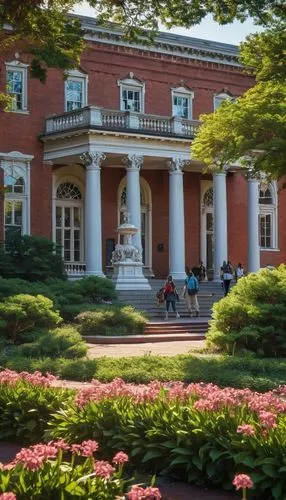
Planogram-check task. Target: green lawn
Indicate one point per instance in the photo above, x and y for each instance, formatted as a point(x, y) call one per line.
point(257, 374)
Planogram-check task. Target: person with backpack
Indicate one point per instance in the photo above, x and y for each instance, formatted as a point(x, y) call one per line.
point(191, 289)
point(171, 296)
point(227, 273)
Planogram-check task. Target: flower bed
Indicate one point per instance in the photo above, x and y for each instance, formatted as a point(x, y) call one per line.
point(57, 470)
point(198, 432)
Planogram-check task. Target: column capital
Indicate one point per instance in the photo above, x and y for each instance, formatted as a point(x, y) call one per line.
point(92, 159)
point(176, 165)
point(133, 161)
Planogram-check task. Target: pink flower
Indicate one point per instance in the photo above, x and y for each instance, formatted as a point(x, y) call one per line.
point(242, 481)
point(103, 469)
point(76, 449)
point(30, 459)
point(139, 493)
point(120, 458)
point(88, 448)
point(8, 496)
point(247, 429)
point(268, 419)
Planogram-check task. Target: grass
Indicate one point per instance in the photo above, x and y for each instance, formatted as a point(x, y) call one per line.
point(257, 374)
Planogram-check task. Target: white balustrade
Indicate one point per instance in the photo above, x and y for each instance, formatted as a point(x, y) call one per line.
point(114, 119)
point(155, 123)
point(75, 269)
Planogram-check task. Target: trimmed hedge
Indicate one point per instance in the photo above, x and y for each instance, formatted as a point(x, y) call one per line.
point(113, 320)
point(252, 317)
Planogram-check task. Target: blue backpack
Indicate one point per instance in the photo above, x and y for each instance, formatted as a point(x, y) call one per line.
point(192, 285)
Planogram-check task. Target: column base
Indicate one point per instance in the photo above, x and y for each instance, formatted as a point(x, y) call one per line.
point(181, 275)
point(95, 273)
point(129, 276)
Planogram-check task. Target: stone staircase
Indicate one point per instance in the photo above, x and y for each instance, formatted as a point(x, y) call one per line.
point(146, 301)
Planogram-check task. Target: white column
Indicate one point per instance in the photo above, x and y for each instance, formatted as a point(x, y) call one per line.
point(176, 219)
point(93, 233)
point(133, 164)
point(220, 222)
point(253, 229)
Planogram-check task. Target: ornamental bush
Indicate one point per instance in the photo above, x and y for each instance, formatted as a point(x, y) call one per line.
point(23, 312)
point(32, 258)
point(63, 342)
point(253, 316)
point(112, 320)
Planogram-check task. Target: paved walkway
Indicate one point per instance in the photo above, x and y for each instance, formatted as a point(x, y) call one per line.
point(145, 349)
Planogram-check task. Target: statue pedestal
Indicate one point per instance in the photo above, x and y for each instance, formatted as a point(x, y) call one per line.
point(127, 262)
point(129, 276)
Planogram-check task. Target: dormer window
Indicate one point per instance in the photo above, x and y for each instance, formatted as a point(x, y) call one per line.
point(220, 97)
point(75, 91)
point(182, 102)
point(131, 94)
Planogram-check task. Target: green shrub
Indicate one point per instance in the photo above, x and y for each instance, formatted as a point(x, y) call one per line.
point(26, 410)
point(70, 297)
point(253, 316)
point(32, 258)
point(112, 320)
point(23, 312)
point(65, 342)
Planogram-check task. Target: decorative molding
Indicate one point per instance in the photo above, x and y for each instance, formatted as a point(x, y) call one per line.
point(176, 164)
point(133, 161)
point(92, 160)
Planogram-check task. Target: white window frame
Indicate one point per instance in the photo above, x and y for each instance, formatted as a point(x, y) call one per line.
point(135, 85)
point(272, 210)
point(17, 165)
point(77, 76)
point(187, 94)
point(223, 96)
point(23, 69)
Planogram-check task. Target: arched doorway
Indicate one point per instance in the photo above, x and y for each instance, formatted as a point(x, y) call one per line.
point(207, 230)
point(146, 217)
point(69, 222)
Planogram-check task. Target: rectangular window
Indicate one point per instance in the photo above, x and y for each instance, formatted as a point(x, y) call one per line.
point(74, 94)
point(15, 88)
point(13, 220)
point(131, 99)
point(181, 106)
point(265, 230)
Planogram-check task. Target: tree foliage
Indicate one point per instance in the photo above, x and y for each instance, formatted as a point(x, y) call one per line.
point(54, 39)
point(252, 129)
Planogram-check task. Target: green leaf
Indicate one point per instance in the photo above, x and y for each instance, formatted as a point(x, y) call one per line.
point(270, 470)
point(151, 454)
point(182, 451)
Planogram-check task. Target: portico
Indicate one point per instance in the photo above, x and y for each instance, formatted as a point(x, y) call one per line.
point(100, 160)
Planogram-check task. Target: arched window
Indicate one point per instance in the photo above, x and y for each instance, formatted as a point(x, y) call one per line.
point(69, 224)
point(268, 216)
point(14, 207)
point(208, 198)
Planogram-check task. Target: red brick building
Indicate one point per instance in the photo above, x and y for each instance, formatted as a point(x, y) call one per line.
point(115, 137)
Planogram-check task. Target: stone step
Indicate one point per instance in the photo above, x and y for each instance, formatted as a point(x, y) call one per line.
point(140, 339)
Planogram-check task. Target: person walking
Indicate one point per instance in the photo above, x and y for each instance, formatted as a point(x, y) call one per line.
point(239, 272)
point(191, 289)
point(227, 276)
point(171, 296)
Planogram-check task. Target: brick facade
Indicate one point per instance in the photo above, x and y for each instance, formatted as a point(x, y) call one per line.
point(105, 64)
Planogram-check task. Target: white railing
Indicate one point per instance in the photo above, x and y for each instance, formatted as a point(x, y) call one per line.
point(75, 269)
point(108, 119)
point(189, 127)
point(155, 123)
point(113, 119)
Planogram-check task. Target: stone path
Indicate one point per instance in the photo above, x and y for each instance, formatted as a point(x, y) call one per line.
point(147, 349)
